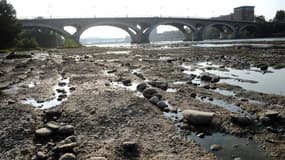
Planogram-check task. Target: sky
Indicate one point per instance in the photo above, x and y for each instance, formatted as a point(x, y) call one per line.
point(140, 8)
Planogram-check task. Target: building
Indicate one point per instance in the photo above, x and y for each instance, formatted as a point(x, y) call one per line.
point(243, 13)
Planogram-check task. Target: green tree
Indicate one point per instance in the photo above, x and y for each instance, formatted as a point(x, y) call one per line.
point(280, 16)
point(260, 19)
point(9, 26)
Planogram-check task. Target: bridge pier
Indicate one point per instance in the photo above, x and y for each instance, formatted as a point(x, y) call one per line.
point(197, 36)
point(140, 39)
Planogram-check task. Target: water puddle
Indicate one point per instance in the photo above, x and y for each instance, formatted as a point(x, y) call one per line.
point(132, 87)
point(224, 92)
point(118, 52)
point(232, 146)
point(61, 92)
point(252, 79)
point(221, 103)
point(171, 90)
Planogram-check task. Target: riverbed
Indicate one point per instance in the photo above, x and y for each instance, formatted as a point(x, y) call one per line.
point(95, 90)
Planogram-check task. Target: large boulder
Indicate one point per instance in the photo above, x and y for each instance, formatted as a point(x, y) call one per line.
point(150, 92)
point(161, 85)
point(208, 77)
point(197, 117)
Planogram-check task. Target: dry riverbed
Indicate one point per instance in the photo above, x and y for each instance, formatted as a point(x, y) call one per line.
point(85, 104)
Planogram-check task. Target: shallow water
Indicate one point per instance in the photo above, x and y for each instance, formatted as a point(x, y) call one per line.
point(271, 82)
point(54, 101)
point(232, 146)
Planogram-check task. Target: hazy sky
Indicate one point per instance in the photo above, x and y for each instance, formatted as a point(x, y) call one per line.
point(134, 8)
point(137, 8)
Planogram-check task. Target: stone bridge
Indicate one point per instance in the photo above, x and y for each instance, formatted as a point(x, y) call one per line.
point(139, 29)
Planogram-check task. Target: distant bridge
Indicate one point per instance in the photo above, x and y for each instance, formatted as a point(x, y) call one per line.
point(139, 29)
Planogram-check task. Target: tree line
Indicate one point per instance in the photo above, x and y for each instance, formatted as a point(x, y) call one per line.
point(14, 36)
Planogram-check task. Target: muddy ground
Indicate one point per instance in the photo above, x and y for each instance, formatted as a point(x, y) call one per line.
point(113, 121)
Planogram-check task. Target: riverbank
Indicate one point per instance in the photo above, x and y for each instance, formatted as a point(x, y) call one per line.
point(93, 92)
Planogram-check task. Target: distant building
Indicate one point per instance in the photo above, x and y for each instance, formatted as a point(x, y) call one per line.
point(243, 13)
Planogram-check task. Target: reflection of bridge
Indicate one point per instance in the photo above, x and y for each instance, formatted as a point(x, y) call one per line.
point(139, 29)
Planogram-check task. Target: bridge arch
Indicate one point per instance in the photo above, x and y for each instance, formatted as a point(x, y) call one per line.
point(224, 30)
point(248, 31)
point(186, 29)
point(132, 32)
point(55, 29)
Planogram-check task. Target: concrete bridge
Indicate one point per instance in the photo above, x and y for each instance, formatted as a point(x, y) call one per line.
point(139, 29)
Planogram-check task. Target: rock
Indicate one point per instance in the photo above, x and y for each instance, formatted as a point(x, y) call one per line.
point(139, 75)
point(244, 100)
point(210, 98)
point(13, 55)
point(72, 89)
point(205, 76)
point(68, 156)
point(201, 135)
point(150, 92)
point(161, 85)
point(41, 155)
point(193, 95)
point(198, 117)
point(112, 71)
point(241, 119)
point(66, 130)
point(271, 114)
point(61, 84)
point(127, 82)
point(263, 67)
point(53, 126)
point(65, 146)
point(141, 87)
point(43, 132)
point(275, 130)
point(130, 146)
point(206, 86)
point(162, 105)
point(237, 158)
point(157, 95)
point(154, 100)
point(265, 120)
point(52, 113)
point(215, 147)
point(97, 158)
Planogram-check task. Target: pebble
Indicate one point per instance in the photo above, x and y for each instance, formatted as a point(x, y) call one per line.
point(201, 135)
point(68, 156)
point(148, 93)
point(141, 87)
point(130, 146)
point(271, 114)
point(53, 126)
point(154, 100)
point(43, 132)
point(41, 155)
point(65, 147)
point(215, 147)
point(162, 105)
point(67, 129)
point(97, 158)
